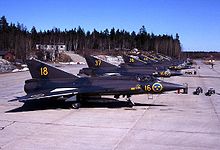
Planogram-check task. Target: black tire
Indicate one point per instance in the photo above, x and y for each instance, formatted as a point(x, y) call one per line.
point(75, 105)
point(207, 94)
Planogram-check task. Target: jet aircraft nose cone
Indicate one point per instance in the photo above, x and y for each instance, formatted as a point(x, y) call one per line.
point(172, 86)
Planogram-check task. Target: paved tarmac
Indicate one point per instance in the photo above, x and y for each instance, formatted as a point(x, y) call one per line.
point(168, 121)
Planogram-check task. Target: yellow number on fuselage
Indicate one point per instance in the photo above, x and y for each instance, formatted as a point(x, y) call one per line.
point(147, 88)
point(131, 60)
point(162, 73)
point(43, 71)
point(98, 62)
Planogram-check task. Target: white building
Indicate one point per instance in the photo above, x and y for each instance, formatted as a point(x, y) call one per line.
point(55, 47)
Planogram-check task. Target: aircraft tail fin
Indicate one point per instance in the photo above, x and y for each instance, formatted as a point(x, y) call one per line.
point(146, 59)
point(42, 70)
point(133, 61)
point(94, 62)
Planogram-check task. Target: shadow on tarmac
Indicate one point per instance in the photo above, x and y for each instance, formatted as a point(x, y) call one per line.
point(93, 103)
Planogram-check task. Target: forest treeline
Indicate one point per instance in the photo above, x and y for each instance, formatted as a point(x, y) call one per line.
point(201, 55)
point(19, 40)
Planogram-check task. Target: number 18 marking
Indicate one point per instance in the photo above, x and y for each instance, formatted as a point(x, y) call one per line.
point(43, 71)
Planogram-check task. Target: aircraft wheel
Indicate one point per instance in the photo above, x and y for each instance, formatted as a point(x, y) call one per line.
point(130, 103)
point(75, 105)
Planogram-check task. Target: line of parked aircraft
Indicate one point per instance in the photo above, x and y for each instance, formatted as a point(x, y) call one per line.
point(136, 76)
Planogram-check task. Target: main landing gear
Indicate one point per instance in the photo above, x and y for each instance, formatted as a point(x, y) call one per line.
point(75, 105)
point(128, 99)
point(131, 103)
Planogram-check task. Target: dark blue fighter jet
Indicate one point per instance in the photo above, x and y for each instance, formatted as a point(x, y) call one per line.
point(160, 68)
point(167, 63)
point(131, 67)
point(50, 82)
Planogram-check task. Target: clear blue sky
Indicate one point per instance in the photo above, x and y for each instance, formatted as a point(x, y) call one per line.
point(196, 21)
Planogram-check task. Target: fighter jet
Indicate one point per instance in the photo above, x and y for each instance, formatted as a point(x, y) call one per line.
point(165, 62)
point(50, 82)
point(98, 67)
point(159, 70)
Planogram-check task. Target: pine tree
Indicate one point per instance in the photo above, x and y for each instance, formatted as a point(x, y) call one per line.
point(18, 39)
